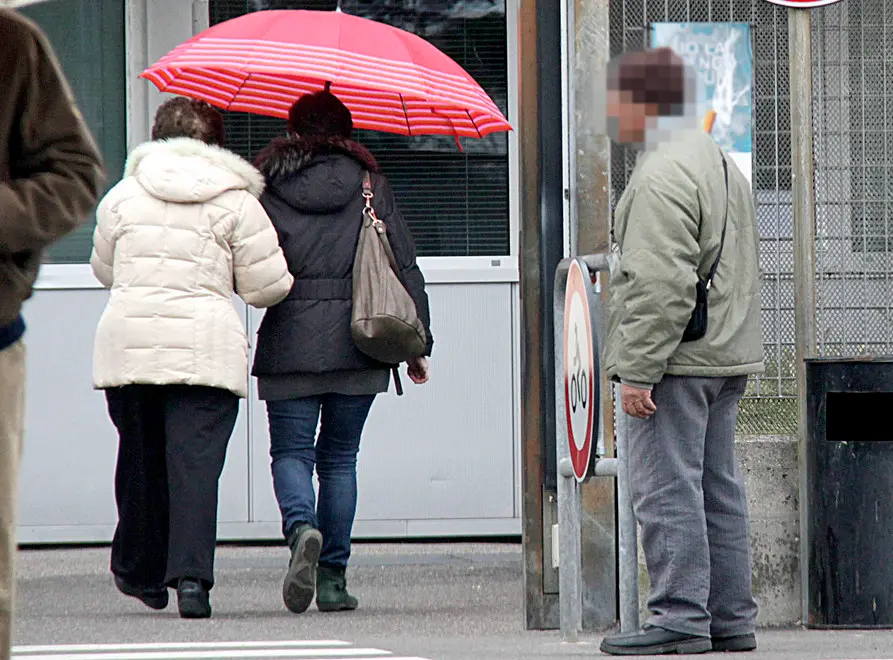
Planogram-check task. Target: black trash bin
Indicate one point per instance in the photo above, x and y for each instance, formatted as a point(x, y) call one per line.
point(849, 478)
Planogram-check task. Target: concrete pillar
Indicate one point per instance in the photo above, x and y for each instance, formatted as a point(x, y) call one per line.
point(591, 213)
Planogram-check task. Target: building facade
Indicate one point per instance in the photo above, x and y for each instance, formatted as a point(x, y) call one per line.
point(442, 460)
point(446, 460)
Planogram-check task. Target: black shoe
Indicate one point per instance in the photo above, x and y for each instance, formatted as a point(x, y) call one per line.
point(655, 641)
point(155, 597)
point(193, 599)
point(735, 644)
point(300, 579)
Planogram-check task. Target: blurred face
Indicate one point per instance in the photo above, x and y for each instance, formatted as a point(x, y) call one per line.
point(628, 121)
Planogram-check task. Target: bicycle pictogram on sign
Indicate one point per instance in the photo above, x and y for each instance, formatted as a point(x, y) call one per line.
point(579, 385)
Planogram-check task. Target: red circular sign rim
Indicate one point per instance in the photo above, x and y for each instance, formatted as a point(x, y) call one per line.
point(580, 459)
point(803, 4)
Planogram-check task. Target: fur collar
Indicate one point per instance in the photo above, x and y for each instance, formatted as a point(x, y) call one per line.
point(254, 180)
point(288, 155)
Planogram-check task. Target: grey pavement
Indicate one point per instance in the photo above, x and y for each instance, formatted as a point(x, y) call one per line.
point(433, 601)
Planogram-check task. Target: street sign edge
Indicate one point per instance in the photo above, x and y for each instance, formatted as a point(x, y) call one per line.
point(578, 285)
point(805, 4)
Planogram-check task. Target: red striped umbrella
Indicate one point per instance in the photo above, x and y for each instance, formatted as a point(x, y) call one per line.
point(390, 79)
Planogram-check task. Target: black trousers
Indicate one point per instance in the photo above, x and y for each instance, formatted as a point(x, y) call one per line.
point(172, 447)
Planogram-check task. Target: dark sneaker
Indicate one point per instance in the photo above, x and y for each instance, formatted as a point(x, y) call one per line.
point(300, 579)
point(331, 590)
point(155, 597)
point(735, 643)
point(193, 599)
point(655, 641)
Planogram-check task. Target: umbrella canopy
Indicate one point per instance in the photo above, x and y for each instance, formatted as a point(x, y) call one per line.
point(390, 79)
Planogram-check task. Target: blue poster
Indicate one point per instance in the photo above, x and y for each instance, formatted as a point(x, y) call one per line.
point(721, 56)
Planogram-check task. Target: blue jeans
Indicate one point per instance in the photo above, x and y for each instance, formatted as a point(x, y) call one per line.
point(296, 450)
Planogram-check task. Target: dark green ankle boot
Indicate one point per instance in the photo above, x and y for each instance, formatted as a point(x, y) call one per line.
point(331, 590)
point(297, 588)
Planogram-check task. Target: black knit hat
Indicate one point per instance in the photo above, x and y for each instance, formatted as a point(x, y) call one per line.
point(320, 115)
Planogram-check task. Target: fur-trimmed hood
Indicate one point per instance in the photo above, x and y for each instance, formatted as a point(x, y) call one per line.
point(187, 171)
point(289, 155)
point(317, 177)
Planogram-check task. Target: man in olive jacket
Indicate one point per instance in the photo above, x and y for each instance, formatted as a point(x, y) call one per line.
point(50, 176)
point(682, 396)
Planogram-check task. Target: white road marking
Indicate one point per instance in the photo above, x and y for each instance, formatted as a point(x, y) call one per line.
point(173, 646)
point(283, 650)
point(219, 654)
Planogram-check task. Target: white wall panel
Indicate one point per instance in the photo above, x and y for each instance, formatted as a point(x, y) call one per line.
point(70, 444)
point(444, 450)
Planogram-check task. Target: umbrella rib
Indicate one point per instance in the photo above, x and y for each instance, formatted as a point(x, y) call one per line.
point(406, 115)
point(474, 123)
point(238, 91)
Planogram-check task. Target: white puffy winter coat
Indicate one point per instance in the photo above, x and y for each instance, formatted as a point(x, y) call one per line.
point(173, 240)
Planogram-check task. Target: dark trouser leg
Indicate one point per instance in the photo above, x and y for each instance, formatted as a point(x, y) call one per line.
point(343, 418)
point(199, 423)
point(293, 451)
point(139, 547)
point(666, 454)
point(731, 604)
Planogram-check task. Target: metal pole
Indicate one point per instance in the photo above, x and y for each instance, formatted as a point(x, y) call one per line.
point(570, 571)
point(569, 134)
point(570, 503)
point(802, 189)
point(139, 113)
point(628, 550)
point(200, 16)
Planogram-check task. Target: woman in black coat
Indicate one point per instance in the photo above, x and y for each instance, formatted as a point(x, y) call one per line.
point(307, 365)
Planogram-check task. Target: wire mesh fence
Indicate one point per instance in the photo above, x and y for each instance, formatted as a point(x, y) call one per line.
point(770, 406)
point(853, 145)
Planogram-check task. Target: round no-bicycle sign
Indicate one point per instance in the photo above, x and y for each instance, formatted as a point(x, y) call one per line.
point(579, 370)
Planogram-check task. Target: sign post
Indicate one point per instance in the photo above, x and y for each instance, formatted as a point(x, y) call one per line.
point(578, 410)
point(579, 413)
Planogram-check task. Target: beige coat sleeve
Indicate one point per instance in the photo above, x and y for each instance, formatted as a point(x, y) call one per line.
point(261, 272)
point(102, 259)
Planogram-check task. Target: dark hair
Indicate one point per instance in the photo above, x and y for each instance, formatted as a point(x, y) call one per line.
point(320, 115)
point(656, 76)
point(191, 118)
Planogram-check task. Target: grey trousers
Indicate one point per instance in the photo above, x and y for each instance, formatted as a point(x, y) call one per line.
point(689, 499)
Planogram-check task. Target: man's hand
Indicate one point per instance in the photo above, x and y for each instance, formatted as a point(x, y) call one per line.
point(417, 368)
point(636, 402)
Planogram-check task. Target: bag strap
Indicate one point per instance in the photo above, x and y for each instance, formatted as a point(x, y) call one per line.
point(725, 222)
point(378, 225)
point(398, 385)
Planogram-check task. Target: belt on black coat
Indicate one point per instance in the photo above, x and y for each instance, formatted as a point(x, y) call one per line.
point(322, 289)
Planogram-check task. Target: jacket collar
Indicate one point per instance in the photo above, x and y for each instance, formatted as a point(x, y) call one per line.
point(288, 155)
point(254, 180)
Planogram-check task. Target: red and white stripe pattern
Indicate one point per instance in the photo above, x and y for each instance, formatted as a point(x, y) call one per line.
point(411, 89)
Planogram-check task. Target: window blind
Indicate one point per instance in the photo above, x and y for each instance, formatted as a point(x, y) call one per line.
point(457, 204)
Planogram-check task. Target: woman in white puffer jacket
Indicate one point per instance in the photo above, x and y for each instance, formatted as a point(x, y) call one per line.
point(174, 240)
